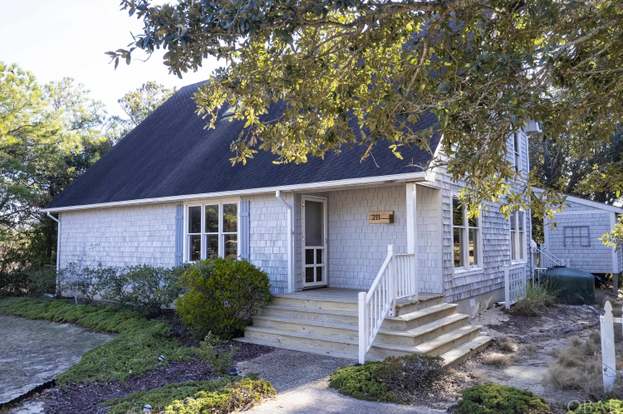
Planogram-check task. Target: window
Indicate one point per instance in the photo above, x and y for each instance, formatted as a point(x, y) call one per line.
point(466, 236)
point(576, 236)
point(516, 152)
point(212, 231)
point(518, 235)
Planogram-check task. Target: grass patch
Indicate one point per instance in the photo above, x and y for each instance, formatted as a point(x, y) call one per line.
point(396, 379)
point(538, 299)
point(214, 397)
point(498, 399)
point(135, 350)
point(578, 367)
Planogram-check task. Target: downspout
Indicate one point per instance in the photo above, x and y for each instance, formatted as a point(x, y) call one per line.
point(58, 249)
point(289, 230)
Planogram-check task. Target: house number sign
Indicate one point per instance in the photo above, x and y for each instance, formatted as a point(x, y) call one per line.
point(381, 217)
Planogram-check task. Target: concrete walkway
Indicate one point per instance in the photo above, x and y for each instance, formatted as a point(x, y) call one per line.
point(301, 380)
point(35, 352)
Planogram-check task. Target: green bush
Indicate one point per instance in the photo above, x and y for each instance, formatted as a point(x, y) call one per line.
point(214, 397)
point(395, 379)
point(498, 399)
point(599, 407)
point(32, 282)
point(216, 352)
point(538, 299)
point(222, 295)
point(145, 288)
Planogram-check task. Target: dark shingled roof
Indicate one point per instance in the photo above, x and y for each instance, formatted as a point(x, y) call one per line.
point(172, 154)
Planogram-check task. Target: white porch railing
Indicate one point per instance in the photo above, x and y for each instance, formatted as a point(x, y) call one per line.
point(515, 283)
point(544, 259)
point(395, 279)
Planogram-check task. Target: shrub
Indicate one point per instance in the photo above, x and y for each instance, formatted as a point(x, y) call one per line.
point(538, 299)
point(222, 296)
point(145, 288)
point(217, 353)
point(498, 399)
point(28, 282)
point(395, 379)
point(578, 367)
point(84, 282)
point(599, 407)
point(215, 397)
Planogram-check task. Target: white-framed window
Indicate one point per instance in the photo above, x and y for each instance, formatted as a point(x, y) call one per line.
point(466, 237)
point(211, 230)
point(516, 152)
point(518, 235)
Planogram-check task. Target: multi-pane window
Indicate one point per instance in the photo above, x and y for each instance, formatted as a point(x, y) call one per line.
point(212, 231)
point(466, 236)
point(516, 152)
point(576, 236)
point(518, 235)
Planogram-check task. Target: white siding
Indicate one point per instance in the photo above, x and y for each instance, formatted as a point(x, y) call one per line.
point(119, 236)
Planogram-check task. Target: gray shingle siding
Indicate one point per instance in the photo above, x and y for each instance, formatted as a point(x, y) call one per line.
point(594, 257)
point(119, 236)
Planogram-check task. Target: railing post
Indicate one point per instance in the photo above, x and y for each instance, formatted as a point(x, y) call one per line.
point(507, 288)
point(608, 358)
point(363, 334)
point(392, 279)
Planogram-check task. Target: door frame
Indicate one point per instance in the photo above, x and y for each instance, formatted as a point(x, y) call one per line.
point(325, 224)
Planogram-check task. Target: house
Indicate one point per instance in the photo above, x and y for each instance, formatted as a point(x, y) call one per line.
point(392, 229)
point(572, 237)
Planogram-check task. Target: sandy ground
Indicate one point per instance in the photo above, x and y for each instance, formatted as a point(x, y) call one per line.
point(34, 352)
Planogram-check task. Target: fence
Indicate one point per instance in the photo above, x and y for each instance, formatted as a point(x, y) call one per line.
point(608, 355)
point(515, 284)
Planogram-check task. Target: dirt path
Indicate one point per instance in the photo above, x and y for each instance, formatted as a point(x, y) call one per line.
point(34, 352)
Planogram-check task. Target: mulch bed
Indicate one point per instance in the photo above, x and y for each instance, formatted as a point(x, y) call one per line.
point(90, 398)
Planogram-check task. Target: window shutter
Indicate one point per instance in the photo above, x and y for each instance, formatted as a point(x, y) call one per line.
point(245, 229)
point(179, 234)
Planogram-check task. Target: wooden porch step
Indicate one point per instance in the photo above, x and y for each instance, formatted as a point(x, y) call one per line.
point(406, 305)
point(328, 304)
point(420, 317)
point(304, 314)
point(423, 333)
point(459, 354)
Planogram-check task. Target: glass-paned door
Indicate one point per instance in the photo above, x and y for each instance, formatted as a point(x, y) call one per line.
point(314, 241)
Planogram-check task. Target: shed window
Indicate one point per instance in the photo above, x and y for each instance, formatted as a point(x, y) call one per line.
point(212, 231)
point(518, 235)
point(577, 236)
point(466, 236)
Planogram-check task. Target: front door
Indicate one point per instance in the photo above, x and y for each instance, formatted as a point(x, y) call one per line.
point(314, 223)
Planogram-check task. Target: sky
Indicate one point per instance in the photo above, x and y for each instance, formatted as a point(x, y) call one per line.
point(69, 38)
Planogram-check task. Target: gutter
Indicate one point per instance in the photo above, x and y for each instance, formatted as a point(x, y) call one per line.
point(322, 185)
point(58, 248)
point(289, 231)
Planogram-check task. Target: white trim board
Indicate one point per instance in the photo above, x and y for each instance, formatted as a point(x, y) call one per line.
point(588, 203)
point(416, 176)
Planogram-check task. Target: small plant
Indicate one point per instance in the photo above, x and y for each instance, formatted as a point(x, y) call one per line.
point(217, 353)
point(395, 379)
point(222, 295)
point(30, 282)
point(538, 299)
point(498, 399)
point(497, 359)
point(84, 282)
point(214, 397)
point(599, 407)
point(145, 288)
point(578, 367)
